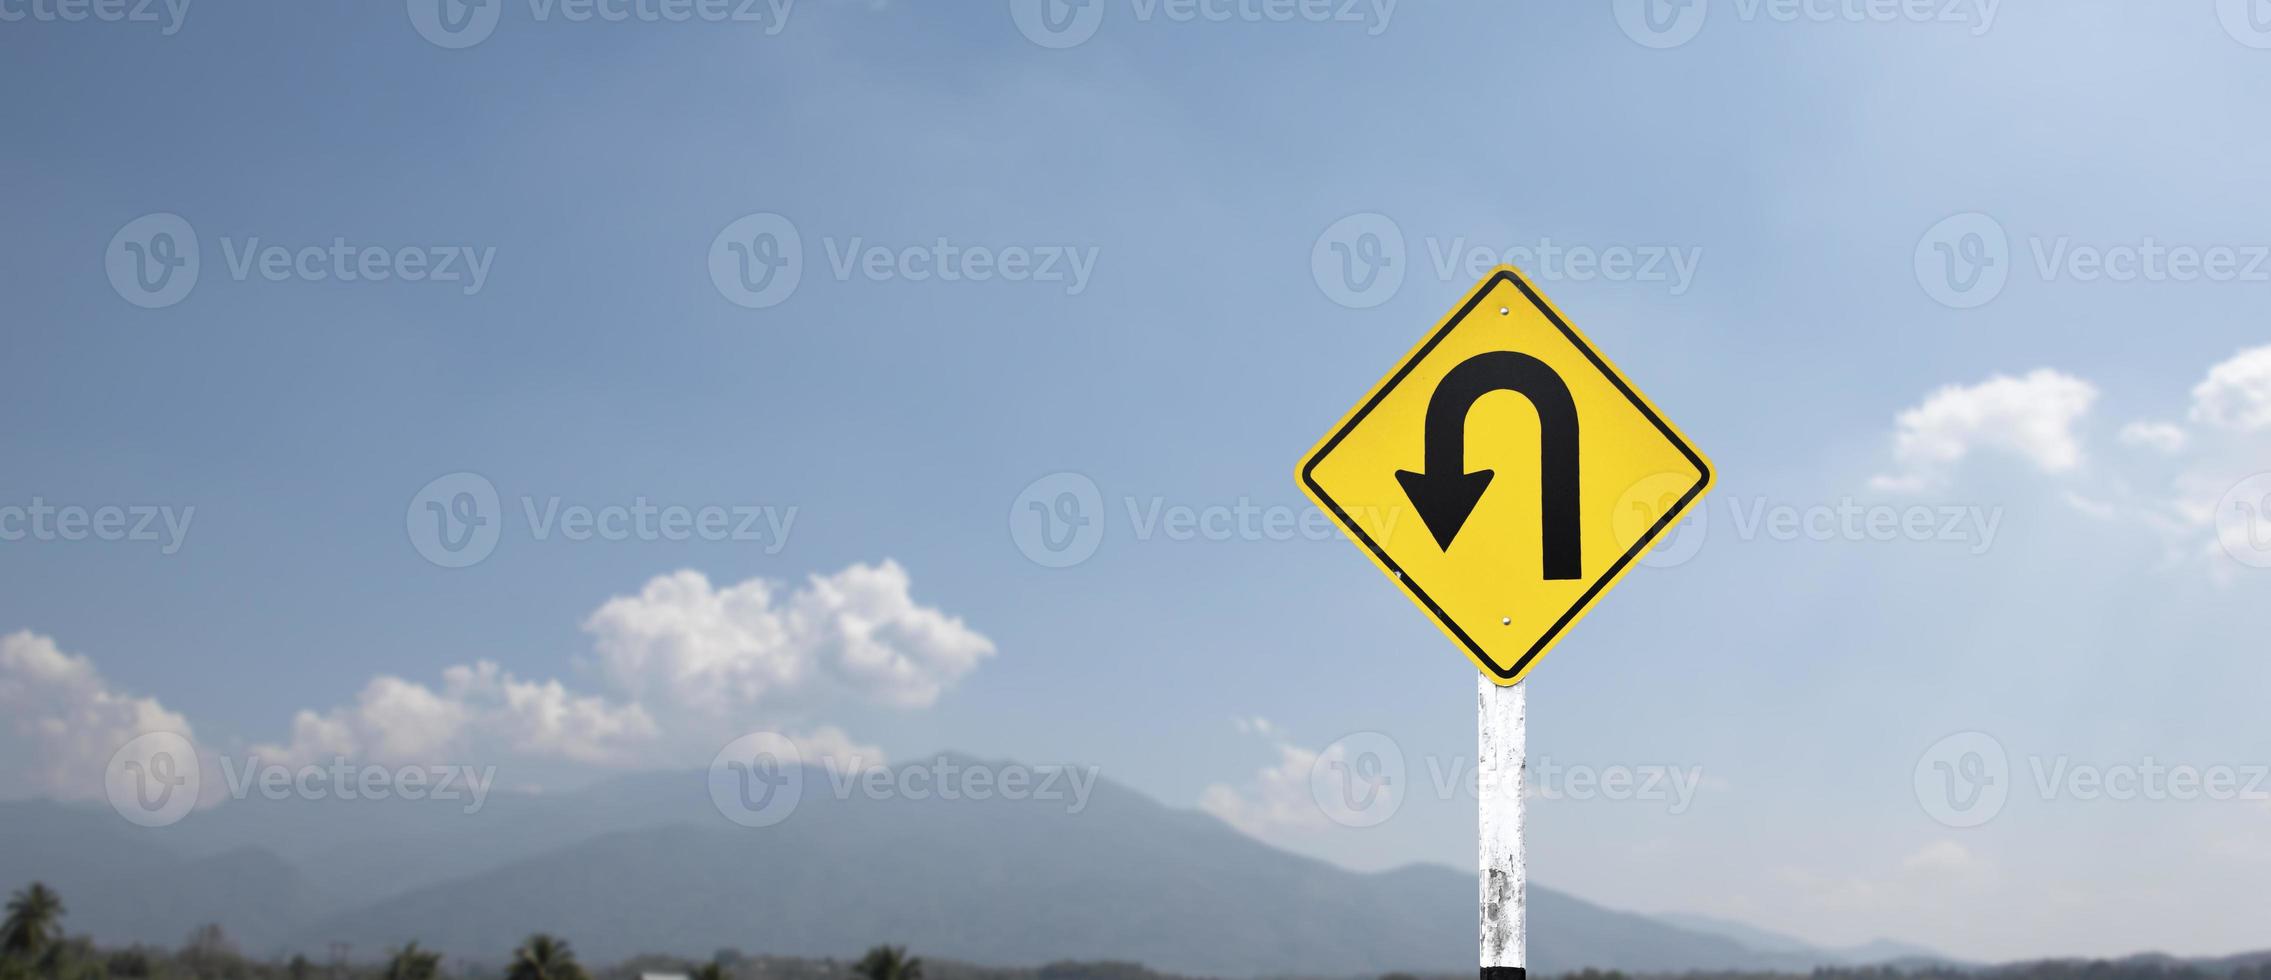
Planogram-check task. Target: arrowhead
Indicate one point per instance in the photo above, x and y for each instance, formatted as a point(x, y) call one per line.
point(1444, 500)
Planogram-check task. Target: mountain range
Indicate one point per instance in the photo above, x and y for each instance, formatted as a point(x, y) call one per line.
point(646, 864)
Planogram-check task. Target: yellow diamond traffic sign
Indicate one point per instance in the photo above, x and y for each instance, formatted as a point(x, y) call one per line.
point(1506, 474)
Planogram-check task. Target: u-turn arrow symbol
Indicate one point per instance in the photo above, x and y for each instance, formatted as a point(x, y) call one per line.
point(1446, 494)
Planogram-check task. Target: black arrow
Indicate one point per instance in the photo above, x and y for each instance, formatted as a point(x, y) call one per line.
point(1446, 494)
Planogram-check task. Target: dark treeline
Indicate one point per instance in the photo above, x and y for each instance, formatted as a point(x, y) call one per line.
point(34, 946)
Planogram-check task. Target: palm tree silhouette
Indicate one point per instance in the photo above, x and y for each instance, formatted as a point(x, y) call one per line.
point(33, 923)
point(889, 963)
point(545, 957)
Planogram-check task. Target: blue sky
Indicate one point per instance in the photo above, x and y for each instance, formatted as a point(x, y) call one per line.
point(1803, 163)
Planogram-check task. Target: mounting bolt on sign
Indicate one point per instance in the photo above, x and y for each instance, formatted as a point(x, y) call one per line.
point(1516, 444)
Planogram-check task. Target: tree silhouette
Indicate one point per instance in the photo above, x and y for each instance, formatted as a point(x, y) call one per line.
point(209, 954)
point(34, 922)
point(412, 963)
point(545, 957)
point(889, 963)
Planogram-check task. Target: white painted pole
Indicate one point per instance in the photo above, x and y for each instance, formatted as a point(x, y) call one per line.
point(1501, 752)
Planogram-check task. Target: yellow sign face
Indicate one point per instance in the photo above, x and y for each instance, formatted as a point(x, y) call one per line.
point(1506, 475)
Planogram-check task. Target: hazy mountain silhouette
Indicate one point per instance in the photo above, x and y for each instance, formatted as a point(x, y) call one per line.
point(1880, 951)
point(646, 863)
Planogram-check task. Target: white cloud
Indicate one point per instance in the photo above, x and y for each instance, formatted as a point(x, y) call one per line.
point(1943, 858)
point(1275, 803)
point(687, 666)
point(2157, 436)
point(1315, 801)
point(830, 746)
point(2231, 447)
point(2031, 417)
point(2091, 507)
point(684, 668)
point(710, 650)
point(2237, 393)
point(63, 722)
point(2035, 418)
point(480, 712)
